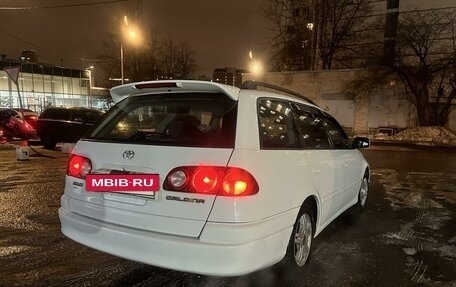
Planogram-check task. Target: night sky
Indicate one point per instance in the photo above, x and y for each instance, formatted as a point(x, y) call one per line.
point(220, 32)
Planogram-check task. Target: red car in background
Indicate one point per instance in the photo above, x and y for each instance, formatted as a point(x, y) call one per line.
point(18, 122)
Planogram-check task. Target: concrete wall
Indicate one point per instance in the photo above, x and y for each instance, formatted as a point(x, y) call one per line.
point(356, 111)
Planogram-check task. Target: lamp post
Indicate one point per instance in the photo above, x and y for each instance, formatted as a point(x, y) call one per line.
point(89, 96)
point(128, 32)
point(121, 63)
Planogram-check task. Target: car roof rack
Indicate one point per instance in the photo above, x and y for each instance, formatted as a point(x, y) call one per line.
point(253, 85)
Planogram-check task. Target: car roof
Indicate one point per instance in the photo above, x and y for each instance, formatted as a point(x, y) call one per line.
point(73, 108)
point(119, 93)
point(267, 94)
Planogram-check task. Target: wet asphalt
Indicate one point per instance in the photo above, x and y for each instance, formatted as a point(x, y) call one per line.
point(405, 237)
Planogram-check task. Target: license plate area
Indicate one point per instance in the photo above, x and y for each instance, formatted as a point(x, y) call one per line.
point(138, 183)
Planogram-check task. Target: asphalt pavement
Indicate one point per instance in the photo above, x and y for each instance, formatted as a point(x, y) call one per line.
point(405, 237)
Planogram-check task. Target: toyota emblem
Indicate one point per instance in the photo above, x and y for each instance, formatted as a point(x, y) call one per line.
point(128, 154)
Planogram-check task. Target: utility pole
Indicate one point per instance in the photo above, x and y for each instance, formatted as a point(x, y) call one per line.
point(390, 33)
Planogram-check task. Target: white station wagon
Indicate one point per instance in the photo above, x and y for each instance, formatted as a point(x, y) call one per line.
point(210, 179)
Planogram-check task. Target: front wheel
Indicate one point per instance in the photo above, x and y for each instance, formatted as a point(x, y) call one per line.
point(48, 141)
point(300, 244)
point(362, 194)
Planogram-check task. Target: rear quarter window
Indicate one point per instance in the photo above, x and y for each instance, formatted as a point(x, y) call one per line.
point(276, 127)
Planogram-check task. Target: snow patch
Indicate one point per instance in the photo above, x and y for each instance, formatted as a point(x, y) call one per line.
point(434, 135)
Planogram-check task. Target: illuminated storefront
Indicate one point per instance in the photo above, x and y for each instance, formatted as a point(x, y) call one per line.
point(43, 85)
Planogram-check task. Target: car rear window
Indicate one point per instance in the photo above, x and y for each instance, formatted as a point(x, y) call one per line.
point(56, 114)
point(190, 119)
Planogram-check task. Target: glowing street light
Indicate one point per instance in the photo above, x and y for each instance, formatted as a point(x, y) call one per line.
point(255, 66)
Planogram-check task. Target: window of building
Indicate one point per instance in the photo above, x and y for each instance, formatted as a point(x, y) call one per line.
point(305, 11)
point(276, 126)
point(297, 12)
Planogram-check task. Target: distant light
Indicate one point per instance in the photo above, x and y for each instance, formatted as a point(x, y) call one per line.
point(256, 68)
point(310, 26)
point(251, 55)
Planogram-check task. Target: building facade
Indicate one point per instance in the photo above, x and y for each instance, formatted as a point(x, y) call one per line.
point(228, 76)
point(42, 85)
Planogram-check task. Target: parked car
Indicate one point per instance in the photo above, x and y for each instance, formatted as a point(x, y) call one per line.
point(19, 122)
point(2, 136)
point(239, 179)
point(60, 124)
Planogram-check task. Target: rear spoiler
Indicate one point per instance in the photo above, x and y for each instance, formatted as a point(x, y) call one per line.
point(119, 93)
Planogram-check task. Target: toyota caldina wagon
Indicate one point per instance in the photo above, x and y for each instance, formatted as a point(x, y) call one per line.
point(211, 179)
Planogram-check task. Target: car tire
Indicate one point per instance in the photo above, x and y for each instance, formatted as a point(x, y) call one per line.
point(363, 195)
point(300, 244)
point(48, 141)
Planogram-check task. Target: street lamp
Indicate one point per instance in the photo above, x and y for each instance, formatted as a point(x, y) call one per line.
point(255, 67)
point(129, 33)
point(89, 97)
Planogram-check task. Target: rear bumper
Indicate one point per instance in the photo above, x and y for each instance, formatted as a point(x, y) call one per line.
point(194, 255)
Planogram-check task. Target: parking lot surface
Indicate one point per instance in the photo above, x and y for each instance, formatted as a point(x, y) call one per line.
point(406, 236)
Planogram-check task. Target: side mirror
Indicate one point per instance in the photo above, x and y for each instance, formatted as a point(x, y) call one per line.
point(361, 142)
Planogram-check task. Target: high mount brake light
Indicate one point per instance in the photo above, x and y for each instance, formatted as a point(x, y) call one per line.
point(225, 181)
point(79, 166)
point(155, 85)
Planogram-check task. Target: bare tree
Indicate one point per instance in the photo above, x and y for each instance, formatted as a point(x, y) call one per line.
point(186, 61)
point(424, 61)
point(305, 32)
point(290, 43)
point(154, 59)
point(177, 60)
point(345, 26)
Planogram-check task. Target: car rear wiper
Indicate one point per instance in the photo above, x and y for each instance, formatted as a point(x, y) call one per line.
point(147, 136)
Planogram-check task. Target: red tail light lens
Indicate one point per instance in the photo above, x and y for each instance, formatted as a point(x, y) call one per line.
point(225, 181)
point(205, 179)
point(79, 166)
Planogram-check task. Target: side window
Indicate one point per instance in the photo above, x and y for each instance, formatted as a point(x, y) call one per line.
point(77, 116)
point(58, 114)
point(338, 137)
point(311, 130)
point(276, 126)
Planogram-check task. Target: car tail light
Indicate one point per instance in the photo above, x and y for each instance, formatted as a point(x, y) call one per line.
point(156, 85)
point(79, 166)
point(205, 179)
point(238, 182)
point(225, 181)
